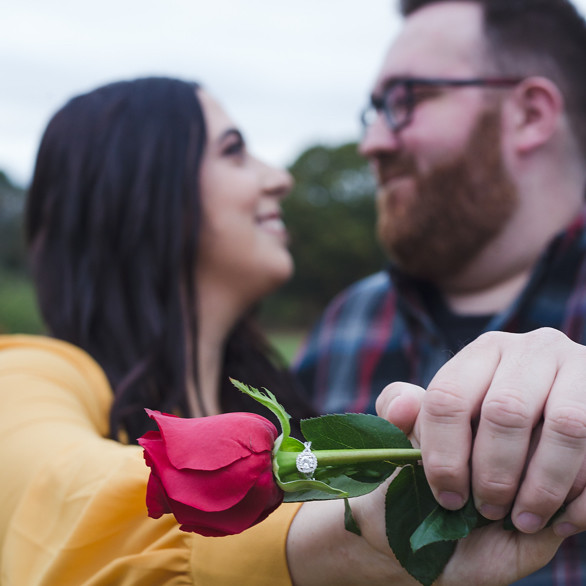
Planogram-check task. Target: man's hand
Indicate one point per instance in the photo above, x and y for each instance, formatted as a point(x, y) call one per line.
point(506, 416)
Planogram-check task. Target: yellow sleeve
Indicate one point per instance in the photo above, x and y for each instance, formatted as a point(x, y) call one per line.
point(72, 503)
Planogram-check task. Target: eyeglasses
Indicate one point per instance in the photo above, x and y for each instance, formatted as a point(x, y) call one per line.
point(401, 95)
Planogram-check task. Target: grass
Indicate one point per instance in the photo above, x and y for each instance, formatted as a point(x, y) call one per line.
point(287, 342)
point(19, 314)
point(18, 307)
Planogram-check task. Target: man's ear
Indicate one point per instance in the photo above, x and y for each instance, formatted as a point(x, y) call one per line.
point(534, 110)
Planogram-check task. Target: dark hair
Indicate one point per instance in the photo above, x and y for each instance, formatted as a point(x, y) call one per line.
point(112, 223)
point(536, 37)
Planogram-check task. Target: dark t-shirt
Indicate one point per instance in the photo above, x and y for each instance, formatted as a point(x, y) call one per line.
point(458, 330)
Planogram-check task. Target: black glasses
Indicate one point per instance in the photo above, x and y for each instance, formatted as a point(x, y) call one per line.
point(401, 95)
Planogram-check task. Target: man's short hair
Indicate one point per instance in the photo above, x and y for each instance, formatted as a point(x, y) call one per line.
point(535, 37)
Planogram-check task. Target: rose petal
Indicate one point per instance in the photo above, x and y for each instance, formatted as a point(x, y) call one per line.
point(209, 443)
point(148, 439)
point(156, 499)
point(207, 490)
point(252, 509)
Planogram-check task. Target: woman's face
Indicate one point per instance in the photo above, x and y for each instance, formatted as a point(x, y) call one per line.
point(243, 241)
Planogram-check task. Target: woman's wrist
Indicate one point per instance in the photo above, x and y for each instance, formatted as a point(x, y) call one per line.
point(320, 551)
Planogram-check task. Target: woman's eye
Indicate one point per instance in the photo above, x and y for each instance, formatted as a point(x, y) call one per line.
point(234, 148)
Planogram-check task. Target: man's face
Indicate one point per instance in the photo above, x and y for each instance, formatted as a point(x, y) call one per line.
point(444, 193)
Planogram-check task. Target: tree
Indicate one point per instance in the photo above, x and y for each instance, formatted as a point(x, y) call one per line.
point(12, 250)
point(331, 216)
point(18, 308)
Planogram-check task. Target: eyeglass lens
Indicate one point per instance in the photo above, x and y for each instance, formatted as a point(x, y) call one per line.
point(395, 105)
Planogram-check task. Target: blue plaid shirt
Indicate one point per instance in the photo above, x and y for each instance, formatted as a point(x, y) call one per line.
point(380, 330)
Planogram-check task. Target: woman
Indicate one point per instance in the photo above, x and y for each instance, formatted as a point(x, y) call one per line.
point(153, 234)
point(151, 247)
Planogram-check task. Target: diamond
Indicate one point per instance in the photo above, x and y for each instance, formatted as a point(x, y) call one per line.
point(306, 461)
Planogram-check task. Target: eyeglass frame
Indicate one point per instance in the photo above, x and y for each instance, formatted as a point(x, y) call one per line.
point(378, 104)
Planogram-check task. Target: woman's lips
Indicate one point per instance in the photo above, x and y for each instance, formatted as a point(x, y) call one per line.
point(273, 223)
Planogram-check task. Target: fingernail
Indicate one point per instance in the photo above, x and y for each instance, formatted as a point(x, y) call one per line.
point(528, 522)
point(565, 529)
point(493, 512)
point(451, 500)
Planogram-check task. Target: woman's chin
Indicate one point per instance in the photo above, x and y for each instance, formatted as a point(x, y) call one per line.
point(280, 274)
point(285, 274)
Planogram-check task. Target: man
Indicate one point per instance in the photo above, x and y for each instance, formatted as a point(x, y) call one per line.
point(477, 140)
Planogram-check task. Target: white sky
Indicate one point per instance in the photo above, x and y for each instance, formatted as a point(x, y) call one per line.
point(291, 73)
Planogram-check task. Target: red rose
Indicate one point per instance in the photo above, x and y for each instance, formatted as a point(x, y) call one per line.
point(213, 473)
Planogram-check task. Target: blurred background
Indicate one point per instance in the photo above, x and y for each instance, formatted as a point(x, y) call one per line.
point(293, 75)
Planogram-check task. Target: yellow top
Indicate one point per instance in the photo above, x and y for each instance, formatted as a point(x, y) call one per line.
point(72, 503)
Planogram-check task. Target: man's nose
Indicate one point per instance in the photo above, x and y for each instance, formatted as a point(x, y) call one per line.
point(378, 139)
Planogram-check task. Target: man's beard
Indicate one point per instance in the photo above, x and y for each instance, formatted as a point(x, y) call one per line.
point(453, 211)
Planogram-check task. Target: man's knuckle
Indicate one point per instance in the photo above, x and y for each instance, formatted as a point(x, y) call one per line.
point(488, 342)
point(549, 495)
point(547, 335)
point(507, 410)
point(439, 465)
point(497, 486)
point(546, 340)
point(568, 422)
point(446, 400)
point(489, 338)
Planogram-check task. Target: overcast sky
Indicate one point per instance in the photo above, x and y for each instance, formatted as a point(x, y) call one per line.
point(291, 73)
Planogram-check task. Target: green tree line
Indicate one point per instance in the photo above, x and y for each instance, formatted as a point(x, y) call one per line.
point(330, 216)
point(18, 309)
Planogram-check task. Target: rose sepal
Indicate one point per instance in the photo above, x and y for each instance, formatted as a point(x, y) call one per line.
point(266, 398)
point(287, 444)
point(294, 482)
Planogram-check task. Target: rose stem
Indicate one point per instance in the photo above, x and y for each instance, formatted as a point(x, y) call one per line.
point(287, 460)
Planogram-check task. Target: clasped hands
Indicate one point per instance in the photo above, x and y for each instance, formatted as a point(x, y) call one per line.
point(506, 419)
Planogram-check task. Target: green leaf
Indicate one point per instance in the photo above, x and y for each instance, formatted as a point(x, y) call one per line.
point(409, 501)
point(355, 431)
point(352, 431)
point(349, 520)
point(444, 525)
point(345, 487)
point(297, 491)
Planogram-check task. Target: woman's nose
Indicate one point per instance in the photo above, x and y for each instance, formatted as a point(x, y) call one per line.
point(277, 181)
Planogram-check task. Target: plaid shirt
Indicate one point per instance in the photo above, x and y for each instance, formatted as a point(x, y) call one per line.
point(379, 330)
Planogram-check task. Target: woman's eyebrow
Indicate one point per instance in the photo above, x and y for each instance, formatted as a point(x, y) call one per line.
point(231, 132)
